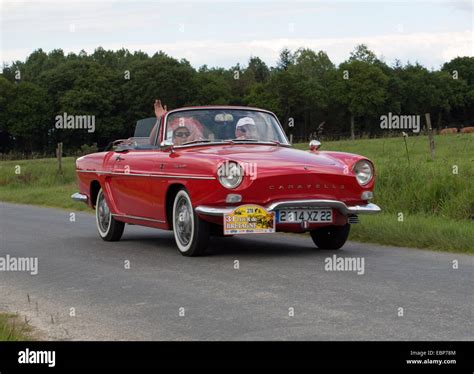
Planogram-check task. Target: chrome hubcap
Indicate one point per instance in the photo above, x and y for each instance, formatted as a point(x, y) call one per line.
point(103, 213)
point(183, 221)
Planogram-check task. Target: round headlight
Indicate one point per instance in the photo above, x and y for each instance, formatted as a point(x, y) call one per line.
point(364, 172)
point(230, 174)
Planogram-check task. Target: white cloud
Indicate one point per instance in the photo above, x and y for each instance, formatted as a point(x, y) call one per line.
point(430, 49)
point(107, 23)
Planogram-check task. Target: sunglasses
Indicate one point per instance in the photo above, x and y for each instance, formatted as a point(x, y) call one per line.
point(182, 134)
point(242, 130)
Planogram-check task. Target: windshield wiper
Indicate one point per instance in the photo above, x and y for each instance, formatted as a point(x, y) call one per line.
point(274, 142)
point(198, 141)
point(243, 140)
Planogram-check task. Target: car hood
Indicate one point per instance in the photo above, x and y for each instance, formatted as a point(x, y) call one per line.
point(273, 157)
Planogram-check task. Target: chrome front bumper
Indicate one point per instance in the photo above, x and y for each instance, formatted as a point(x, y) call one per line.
point(79, 197)
point(369, 208)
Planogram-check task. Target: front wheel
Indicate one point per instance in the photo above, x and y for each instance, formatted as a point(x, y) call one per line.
point(331, 237)
point(190, 232)
point(108, 227)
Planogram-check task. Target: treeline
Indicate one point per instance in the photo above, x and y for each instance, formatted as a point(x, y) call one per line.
point(305, 87)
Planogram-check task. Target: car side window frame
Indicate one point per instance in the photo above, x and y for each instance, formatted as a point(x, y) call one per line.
point(159, 122)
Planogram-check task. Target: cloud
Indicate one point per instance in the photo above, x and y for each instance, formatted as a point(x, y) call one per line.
point(143, 26)
point(430, 49)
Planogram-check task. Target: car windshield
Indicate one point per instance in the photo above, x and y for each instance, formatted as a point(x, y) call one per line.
point(218, 125)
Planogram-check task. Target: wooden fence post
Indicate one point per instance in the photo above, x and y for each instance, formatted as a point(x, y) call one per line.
point(59, 154)
point(430, 135)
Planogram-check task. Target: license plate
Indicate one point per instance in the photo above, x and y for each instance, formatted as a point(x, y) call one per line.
point(301, 215)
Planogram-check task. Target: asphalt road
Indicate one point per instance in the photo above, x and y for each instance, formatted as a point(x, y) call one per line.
point(277, 272)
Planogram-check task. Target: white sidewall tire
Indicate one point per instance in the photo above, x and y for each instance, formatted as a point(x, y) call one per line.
point(101, 233)
point(183, 248)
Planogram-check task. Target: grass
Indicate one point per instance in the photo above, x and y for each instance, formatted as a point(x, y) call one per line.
point(437, 204)
point(421, 186)
point(39, 183)
point(417, 231)
point(13, 329)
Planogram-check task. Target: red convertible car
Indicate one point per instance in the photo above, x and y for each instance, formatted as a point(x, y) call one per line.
point(223, 170)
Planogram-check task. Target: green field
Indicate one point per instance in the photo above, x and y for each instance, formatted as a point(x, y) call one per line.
point(436, 198)
point(39, 183)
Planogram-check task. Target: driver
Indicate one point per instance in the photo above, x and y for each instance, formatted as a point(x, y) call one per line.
point(184, 129)
point(181, 135)
point(181, 129)
point(246, 129)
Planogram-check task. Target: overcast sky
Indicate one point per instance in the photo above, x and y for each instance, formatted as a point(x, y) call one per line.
point(224, 33)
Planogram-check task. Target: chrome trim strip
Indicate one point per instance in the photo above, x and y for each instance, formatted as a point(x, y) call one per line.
point(218, 107)
point(212, 211)
point(148, 175)
point(339, 205)
point(139, 218)
point(79, 197)
point(369, 208)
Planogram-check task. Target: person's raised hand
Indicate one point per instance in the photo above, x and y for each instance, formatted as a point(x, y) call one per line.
point(159, 109)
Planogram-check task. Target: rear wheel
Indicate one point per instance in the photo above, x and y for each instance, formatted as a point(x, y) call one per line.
point(109, 229)
point(331, 237)
point(190, 232)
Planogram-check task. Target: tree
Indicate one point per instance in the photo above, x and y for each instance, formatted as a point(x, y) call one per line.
point(450, 95)
point(419, 90)
point(29, 116)
point(310, 77)
point(119, 87)
point(7, 92)
point(211, 87)
point(461, 68)
point(286, 59)
point(258, 70)
point(362, 53)
point(361, 88)
point(159, 77)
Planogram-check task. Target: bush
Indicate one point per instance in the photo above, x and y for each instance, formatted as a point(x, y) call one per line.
point(86, 149)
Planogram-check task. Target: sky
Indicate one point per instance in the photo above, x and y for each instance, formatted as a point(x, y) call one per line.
point(223, 33)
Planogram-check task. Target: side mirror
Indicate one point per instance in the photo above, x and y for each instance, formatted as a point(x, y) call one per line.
point(123, 145)
point(166, 145)
point(314, 145)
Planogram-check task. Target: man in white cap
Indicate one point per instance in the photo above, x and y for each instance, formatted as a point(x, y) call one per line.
point(246, 129)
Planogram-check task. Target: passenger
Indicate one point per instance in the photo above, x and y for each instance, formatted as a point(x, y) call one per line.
point(246, 129)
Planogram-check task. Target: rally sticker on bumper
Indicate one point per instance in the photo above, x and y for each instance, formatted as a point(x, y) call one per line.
point(249, 219)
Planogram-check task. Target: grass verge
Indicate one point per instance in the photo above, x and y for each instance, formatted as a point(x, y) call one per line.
point(416, 231)
point(37, 182)
point(13, 329)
